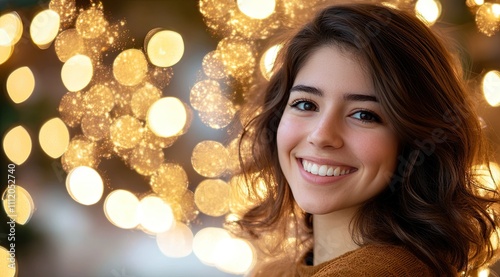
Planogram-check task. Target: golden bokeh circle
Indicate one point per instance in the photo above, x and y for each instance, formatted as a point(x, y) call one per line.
point(212, 197)
point(126, 131)
point(68, 43)
point(130, 67)
point(209, 158)
point(91, 23)
point(71, 108)
point(145, 160)
point(170, 181)
point(80, 152)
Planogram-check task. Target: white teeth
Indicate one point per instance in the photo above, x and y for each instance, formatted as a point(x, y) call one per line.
point(323, 170)
point(336, 172)
point(314, 169)
point(330, 171)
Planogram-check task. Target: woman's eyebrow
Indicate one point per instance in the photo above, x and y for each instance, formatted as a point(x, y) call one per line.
point(308, 89)
point(360, 97)
point(347, 96)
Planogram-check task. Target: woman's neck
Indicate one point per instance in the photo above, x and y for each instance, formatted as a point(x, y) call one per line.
point(332, 236)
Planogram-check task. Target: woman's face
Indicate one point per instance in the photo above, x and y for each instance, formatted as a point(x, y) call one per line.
point(335, 145)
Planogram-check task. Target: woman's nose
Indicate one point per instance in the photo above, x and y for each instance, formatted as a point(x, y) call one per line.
point(327, 132)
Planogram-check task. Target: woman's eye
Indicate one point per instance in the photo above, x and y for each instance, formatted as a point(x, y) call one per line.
point(304, 105)
point(366, 116)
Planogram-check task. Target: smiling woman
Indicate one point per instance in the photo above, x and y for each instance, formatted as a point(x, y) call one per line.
point(367, 142)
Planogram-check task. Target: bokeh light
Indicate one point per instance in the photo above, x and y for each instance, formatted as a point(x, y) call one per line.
point(212, 65)
point(167, 117)
point(130, 67)
point(257, 9)
point(68, 44)
point(5, 53)
point(491, 88)
point(71, 108)
point(205, 244)
point(120, 207)
point(54, 137)
point(66, 10)
point(99, 99)
point(212, 197)
point(145, 160)
point(126, 131)
point(91, 23)
point(77, 72)
point(428, 11)
point(143, 98)
point(96, 126)
point(84, 185)
point(155, 215)
point(17, 145)
point(164, 48)
point(176, 242)
point(234, 256)
point(80, 152)
point(11, 29)
point(268, 59)
point(18, 204)
point(44, 28)
point(170, 182)
point(238, 57)
point(488, 18)
point(20, 84)
point(209, 158)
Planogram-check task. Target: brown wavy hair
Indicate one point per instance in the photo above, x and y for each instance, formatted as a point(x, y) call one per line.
point(434, 204)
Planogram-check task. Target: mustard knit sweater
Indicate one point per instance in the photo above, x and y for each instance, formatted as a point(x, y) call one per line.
point(371, 260)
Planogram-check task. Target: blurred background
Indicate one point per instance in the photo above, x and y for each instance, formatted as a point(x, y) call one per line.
point(64, 233)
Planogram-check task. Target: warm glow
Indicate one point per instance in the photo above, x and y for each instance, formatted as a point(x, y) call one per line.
point(267, 61)
point(165, 48)
point(495, 9)
point(210, 158)
point(257, 9)
point(491, 88)
point(484, 272)
point(18, 204)
point(126, 131)
point(11, 29)
point(234, 256)
point(205, 244)
point(44, 28)
point(167, 117)
point(20, 84)
point(77, 72)
point(428, 11)
point(155, 215)
point(68, 44)
point(17, 145)
point(91, 23)
point(120, 207)
point(5, 53)
point(130, 67)
point(212, 197)
point(54, 137)
point(84, 185)
point(8, 262)
point(176, 242)
point(478, 2)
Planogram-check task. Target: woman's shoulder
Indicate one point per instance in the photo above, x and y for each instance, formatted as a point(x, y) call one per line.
point(371, 260)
